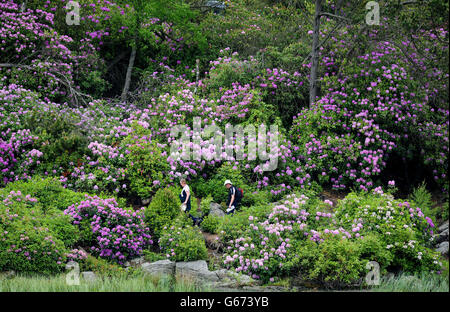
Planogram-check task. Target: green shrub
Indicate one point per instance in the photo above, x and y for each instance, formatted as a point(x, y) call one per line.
point(335, 262)
point(217, 190)
point(49, 192)
point(163, 209)
point(232, 226)
point(61, 226)
point(61, 140)
point(210, 224)
point(183, 243)
point(152, 256)
point(205, 205)
point(444, 211)
point(231, 70)
point(27, 248)
point(373, 249)
point(104, 268)
point(34, 232)
point(422, 198)
point(147, 167)
point(400, 226)
point(44, 200)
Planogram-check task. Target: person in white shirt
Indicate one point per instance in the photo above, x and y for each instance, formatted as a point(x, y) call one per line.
point(185, 195)
point(185, 198)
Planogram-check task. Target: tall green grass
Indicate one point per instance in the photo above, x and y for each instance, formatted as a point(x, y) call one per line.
point(424, 282)
point(23, 283)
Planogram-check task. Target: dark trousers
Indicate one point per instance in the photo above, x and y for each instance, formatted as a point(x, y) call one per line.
point(236, 205)
point(188, 208)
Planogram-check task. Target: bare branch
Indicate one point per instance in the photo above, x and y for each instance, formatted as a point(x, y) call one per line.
point(76, 95)
point(335, 16)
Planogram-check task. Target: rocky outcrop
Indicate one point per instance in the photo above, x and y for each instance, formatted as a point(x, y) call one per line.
point(440, 240)
point(443, 248)
point(198, 272)
point(159, 268)
point(216, 210)
point(135, 262)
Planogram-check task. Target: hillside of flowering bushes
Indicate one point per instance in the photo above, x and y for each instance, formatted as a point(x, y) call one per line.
point(88, 111)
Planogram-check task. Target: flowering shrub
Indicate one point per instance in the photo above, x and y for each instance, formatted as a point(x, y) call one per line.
point(263, 248)
point(46, 59)
point(118, 234)
point(25, 247)
point(273, 244)
point(17, 157)
point(60, 140)
point(401, 226)
point(76, 255)
point(26, 243)
point(147, 167)
point(210, 224)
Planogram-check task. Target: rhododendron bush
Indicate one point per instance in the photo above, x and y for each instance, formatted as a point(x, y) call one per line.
point(273, 245)
point(117, 233)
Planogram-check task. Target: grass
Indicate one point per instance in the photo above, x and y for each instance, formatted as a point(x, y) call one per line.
point(424, 282)
point(24, 283)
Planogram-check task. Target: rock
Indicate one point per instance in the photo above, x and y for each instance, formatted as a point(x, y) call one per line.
point(232, 278)
point(89, 276)
point(197, 270)
point(137, 261)
point(227, 285)
point(441, 237)
point(216, 210)
point(158, 268)
point(443, 227)
point(258, 289)
point(242, 279)
point(222, 273)
point(443, 248)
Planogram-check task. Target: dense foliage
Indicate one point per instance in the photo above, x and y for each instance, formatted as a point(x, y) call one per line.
point(89, 164)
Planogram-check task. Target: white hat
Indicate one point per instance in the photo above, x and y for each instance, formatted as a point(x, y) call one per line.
point(227, 182)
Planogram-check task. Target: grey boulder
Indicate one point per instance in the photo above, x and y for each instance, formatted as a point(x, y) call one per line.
point(443, 248)
point(158, 268)
point(443, 227)
point(216, 210)
point(196, 270)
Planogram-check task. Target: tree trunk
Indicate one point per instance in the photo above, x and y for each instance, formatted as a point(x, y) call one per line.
point(126, 87)
point(315, 54)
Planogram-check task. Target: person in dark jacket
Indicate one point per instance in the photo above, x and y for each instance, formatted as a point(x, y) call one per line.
point(234, 197)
